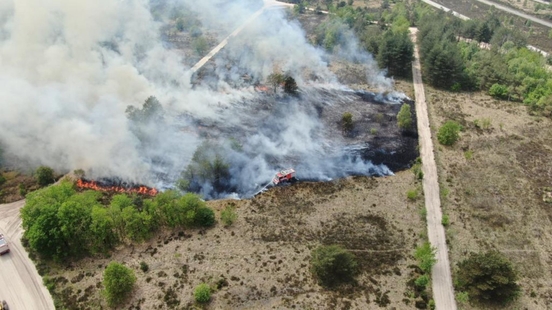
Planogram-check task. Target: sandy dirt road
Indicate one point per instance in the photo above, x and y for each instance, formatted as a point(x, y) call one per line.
point(268, 4)
point(20, 284)
point(443, 291)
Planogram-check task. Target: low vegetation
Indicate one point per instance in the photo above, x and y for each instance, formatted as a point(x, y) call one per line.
point(202, 293)
point(449, 133)
point(228, 215)
point(425, 255)
point(347, 124)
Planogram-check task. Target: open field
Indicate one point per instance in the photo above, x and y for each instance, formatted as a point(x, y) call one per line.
point(262, 261)
point(492, 187)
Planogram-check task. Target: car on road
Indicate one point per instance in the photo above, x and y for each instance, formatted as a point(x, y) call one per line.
point(4, 305)
point(4, 247)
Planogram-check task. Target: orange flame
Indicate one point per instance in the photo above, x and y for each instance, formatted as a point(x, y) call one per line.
point(143, 190)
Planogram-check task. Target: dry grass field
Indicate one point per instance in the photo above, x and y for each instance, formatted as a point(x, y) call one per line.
point(262, 260)
point(493, 181)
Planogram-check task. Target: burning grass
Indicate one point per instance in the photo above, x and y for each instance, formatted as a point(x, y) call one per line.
point(105, 186)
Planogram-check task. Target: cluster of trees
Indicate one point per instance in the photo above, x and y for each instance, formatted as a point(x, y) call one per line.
point(384, 33)
point(488, 278)
point(60, 223)
point(508, 70)
point(286, 81)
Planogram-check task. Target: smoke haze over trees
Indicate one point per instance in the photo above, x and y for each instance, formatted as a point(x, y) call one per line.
point(75, 79)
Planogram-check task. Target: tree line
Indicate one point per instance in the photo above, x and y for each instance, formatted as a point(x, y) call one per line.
point(61, 223)
point(383, 32)
point(508, 70)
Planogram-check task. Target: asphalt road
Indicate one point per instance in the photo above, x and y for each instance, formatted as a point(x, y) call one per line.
point(440, 7)
point(516, 12)
point(443, 291)
point(20, 284)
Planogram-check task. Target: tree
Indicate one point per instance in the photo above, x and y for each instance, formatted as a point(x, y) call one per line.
point(395, 52)
point(333, 265)
point(488, 278)
point(347, 122)
point(404, 118)
point(275, 80)
point(202, 293)
point(102, 230)
point(448, 134)
point(290, 86)
point(44, 175)
point(118, 282)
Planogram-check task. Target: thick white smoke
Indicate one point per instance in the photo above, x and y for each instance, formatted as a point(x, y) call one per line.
point(69, 70)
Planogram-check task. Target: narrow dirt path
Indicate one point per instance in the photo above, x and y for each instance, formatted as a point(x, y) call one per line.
point(20, 284)
point(443, 292)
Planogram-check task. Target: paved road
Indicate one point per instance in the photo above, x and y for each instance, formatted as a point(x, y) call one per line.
point(20, 284)
point(440, 7)
point(443, 291)
point(268, 4)
point(516, 12)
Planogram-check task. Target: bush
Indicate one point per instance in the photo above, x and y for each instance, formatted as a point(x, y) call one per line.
point(404, 118)
point(202, 293)
point(44, 175)
point(347, 122)
point(204, 217)
point(144, 266)
point(499, 91)
point(422, 281)
point(445, 220)
point(228, 215)
point(425, 255)
point(2, 179)
point(448, 134)
point(333, 265)
point(488, 278)
point(118, 282)
point(412, 194)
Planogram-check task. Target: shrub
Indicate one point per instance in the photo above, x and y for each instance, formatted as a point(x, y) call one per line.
point(445, 220)
point(44, 175)
point(333, 265)
point(462, 297)
point(2, 179)
point(202, 293)
point(347, 122)
point(412, 194)
point(425, 255)
point(144, 266)
point(118, 282)
point(404, 118)
point(448, 134)
point(228, 215)
point(488, 278)
point(422, 281)
point(204, 217)
point(499, 91)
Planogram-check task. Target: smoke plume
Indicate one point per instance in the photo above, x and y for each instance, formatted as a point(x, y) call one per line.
point(69, 70)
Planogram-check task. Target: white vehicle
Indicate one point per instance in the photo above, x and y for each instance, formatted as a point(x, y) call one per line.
point(4, 306)
point(4, 247)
